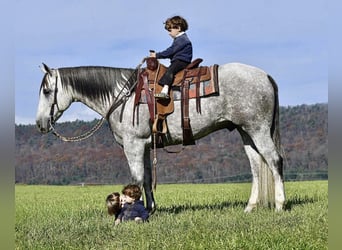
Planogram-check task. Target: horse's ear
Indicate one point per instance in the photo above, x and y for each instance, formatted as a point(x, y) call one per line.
point(46, 69)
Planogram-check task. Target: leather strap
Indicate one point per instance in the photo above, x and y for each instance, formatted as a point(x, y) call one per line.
point(143, 84)
point(198, 99)
point(188, 138)
point(149, 98)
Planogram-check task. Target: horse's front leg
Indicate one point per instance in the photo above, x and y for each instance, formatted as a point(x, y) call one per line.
point(150, 203)
point(138, 157)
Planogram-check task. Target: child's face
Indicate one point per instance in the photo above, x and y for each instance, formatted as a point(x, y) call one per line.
point(173, 32)
point(122, 200)
point(126, 199)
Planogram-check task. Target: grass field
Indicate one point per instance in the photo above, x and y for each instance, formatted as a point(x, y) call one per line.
point(189, 216)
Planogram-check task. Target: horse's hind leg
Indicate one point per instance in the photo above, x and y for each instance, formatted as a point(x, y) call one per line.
point(254, 160)
point(267, 149)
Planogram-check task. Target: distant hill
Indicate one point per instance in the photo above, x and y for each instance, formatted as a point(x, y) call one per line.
point(219, 157)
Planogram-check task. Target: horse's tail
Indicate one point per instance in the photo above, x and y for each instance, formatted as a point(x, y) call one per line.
point(275, 130)
point(266, 181)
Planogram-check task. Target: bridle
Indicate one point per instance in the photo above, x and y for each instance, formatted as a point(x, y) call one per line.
point(120, 99)
point(55, 103)
point(52, 121)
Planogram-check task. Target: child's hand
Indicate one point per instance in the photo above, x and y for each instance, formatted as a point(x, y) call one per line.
point(138, 220)
point(117, 222)
point(152, 53)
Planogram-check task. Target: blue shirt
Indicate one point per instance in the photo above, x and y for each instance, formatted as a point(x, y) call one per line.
point(133, 210)
point(180, 49)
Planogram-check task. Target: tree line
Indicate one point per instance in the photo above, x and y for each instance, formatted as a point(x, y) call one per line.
point(219, 157)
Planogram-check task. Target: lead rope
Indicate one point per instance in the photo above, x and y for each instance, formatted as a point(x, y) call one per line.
point(155, 161)
point(80, 137)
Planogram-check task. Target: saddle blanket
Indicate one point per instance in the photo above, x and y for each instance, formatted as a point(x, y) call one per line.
point(207, 88)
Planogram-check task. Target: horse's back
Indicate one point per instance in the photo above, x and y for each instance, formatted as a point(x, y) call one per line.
point(243, 72)
point(238, 79)
point(247, 92)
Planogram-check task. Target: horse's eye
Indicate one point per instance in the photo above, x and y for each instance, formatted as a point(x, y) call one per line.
point(46, 91)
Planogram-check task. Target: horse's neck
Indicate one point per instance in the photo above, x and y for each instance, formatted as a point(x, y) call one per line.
point(100, 97)
point(99, 106)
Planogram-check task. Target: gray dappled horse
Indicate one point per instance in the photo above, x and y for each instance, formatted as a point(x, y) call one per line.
point(247, 101)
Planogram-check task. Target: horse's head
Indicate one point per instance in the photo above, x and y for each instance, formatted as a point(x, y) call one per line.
point(51, 101)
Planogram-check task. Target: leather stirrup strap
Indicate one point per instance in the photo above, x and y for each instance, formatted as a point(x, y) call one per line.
point(198, 99)
point(188, 138)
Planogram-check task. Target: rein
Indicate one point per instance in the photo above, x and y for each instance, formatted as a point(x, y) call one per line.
point(117, 102)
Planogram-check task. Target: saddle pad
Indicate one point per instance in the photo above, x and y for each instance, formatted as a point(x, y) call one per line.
point(207, 88)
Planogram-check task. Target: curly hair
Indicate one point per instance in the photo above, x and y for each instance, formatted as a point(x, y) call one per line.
point(133, 191)
point(176, 22)
point(113, 203)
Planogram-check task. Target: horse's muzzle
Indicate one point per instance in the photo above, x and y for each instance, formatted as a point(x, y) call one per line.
point(41, 128)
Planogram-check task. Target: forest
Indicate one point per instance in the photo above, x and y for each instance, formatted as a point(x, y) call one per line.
point(218, 157)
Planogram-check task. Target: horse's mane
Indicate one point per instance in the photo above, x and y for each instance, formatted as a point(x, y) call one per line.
point(96, 81)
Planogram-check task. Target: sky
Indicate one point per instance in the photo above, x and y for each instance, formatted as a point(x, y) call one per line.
point(287, 39)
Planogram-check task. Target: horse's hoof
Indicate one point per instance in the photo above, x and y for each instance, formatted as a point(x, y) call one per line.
point(249, 208)
point(152, 210)
point(279, 208)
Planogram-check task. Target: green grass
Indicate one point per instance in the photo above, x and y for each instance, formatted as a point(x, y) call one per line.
point(189, 216)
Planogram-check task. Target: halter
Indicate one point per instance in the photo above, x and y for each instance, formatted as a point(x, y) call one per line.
point(52, 122)
point(117, 102)
point(52, 110)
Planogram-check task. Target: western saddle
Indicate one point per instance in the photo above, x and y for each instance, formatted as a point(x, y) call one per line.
point(148, 82)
